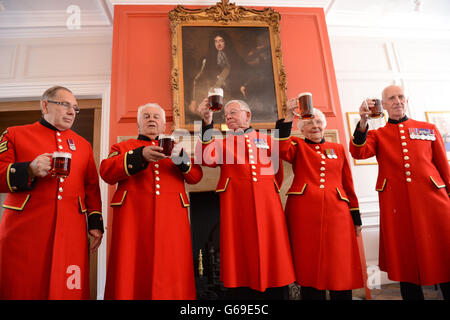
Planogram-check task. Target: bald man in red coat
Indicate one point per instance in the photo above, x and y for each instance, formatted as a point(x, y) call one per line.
point(413, 187)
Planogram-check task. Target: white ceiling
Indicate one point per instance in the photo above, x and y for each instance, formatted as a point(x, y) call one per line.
point(19, 18)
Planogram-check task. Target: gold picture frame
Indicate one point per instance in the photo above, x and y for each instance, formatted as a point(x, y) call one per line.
point(352, 120)
point(442, 121)
point(254, 69)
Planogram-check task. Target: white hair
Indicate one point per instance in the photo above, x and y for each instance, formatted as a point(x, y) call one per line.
point(243, 105)
point(316, 112)
point(148, 105)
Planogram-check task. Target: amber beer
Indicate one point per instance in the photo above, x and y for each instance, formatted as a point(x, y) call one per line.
point(305, 105)
point(215, 99)
point(376, 111)
point(60, 164)
point(167, 143)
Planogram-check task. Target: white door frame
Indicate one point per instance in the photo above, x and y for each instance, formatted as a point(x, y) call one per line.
point(82, 90)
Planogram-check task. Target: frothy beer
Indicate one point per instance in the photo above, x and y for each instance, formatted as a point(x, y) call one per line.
point(376, 111)
point(215, 99)
point(61, 164)
point(305, 105)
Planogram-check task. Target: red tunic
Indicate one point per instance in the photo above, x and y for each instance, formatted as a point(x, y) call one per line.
point(414, 204)
point(43, 237)
point(254, 242)
point(321, 230)
point(151, 251)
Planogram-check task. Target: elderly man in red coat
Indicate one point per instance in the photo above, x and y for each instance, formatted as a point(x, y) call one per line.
point(43, 232)
point(151, 251)
point(413, 185)
point(255, 254)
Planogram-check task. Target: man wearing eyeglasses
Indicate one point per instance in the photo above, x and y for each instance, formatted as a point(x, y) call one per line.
point(413, 187)
point(46, 222)
point(255, 254)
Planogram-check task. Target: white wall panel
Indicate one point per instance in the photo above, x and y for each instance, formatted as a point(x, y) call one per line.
point(8, 55)
point(364, 57)
point(427, 95)
point(67, 60)
point(430, 57)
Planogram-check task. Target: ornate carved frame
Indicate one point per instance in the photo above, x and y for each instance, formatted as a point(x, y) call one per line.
point(224, 14)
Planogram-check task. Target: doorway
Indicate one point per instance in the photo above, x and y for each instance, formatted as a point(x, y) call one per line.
point(87, 125)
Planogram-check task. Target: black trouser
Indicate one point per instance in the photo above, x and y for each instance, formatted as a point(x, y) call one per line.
point(244, 293)
point(310, 293)
point(411, 291)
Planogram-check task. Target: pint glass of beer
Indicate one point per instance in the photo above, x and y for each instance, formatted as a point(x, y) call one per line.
point(167, 143)
point(305, 106)
point(215, 99)
point(60, 164)
point(376, 111)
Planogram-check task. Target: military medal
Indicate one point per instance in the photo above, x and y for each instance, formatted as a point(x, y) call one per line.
point(328, 153)
point(261, 143)
point(71, 144)
point(333, 154)
point(433, 136)
point(422, 134)
point(427, 134)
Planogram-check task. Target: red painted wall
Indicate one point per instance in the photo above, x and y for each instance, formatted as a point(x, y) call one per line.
point(141, 63)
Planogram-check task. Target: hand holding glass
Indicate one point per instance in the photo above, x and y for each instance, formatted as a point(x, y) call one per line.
point(60, 167)
point(167, 143)
point(376, 109)
point(215, 99)
point(305, 106)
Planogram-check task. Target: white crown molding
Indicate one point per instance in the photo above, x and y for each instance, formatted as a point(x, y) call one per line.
point(33, 90)
point(399, 20)
point(255, 3)
point(52, 32)
point(109, 10)
point(50, 18)
point(387, 32)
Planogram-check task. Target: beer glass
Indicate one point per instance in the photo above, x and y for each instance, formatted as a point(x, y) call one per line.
point(305, 106)
point(60, 167)
point(376, 110)
point(215, 99)
point(167, 143)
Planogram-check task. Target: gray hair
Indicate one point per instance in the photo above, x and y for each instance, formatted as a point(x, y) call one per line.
point(317, 112)
point(244, 106)
point(51, 93)
point(148, 105)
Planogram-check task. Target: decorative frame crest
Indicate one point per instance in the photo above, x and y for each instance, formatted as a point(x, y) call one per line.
point(224, 15)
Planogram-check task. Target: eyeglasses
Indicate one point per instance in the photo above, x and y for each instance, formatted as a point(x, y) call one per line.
point(232, 113)
point(66, 105)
